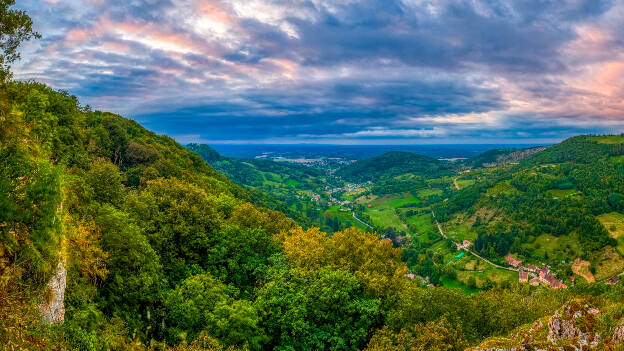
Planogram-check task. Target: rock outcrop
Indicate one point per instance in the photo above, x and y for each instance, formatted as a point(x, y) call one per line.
point(573, 324)
point(572, 327)
point(52, 308)
point(618, 334)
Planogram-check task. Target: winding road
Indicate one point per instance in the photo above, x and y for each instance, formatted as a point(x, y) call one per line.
point(472, 252)
point(456, 185)
point(361, 221)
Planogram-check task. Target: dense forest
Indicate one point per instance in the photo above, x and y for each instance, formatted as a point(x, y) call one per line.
point(115, 238)
point(392, 164)
point(559, 191)
point(159, 249)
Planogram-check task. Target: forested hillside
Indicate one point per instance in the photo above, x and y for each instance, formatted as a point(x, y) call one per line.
point(270, 184)
point(159, 249)
point(293, 189)
point(115, 238)
point(392, 164)
point(553, 207)
point(496, 157)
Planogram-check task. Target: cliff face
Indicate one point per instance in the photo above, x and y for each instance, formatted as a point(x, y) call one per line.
point(575, 326)
point(52, 308)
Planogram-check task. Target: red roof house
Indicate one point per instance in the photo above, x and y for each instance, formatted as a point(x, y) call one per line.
point(523, 277)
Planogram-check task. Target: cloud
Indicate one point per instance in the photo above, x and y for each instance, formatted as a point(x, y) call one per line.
point(320, 70)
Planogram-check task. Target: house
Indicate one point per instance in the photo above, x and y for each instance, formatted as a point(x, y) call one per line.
point(531, 268)
point(548, 279)
point(523, 277)
point(411, 276)
point(463, 245)
point(543, 272)
point(534, 281)
point(558, 284)
point(512, 261)
point(613, 280)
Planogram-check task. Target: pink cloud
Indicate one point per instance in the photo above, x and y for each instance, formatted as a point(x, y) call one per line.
point(77, 35)
point(214, 11)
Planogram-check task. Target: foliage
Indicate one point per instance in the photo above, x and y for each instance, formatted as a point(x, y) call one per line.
point(392, 164)
point(163, 251)
point(16, 28)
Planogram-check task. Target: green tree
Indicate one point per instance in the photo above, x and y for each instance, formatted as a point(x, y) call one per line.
point(202, 303)
point(135, 277)
point(15, 28)
point(181, 222)
point(105, 180)
point(327, 310)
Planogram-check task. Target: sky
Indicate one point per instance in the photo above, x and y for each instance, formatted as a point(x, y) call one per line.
point(339, 72)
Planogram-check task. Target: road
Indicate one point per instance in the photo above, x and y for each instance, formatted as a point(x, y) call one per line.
point(361, 221)
point(472, 252)
point(456, 185)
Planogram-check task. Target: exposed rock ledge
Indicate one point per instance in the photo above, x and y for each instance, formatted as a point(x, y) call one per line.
point(52, 308)
point(569, 328)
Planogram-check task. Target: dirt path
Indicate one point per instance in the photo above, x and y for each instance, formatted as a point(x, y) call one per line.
point(581, 268)
point(361, 221)
point(456, 185)
point(472, 252)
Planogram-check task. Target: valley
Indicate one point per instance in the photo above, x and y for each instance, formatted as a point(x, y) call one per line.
point(325, 175)
point(396, 195)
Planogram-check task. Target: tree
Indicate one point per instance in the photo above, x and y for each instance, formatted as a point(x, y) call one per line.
point(15, 28)
point(202, 303)
point(135, 278)
point(243, 257)
point(105, 180)
point(29, 197)
point(376, 263)
point(326, 310)
point(181, 222)
point(434, 336)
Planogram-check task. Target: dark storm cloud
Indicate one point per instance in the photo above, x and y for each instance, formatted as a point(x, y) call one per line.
point(327, 71)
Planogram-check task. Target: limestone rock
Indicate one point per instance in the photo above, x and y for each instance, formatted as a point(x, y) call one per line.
point(52, 308)
point(569, 328)
point(618, 334)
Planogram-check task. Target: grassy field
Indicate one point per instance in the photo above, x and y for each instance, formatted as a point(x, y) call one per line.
point(351, 196)
point(292, 183)
point(454, 284)
point(495, 275)
point(407, 200)
point(344, 216)
point(459, 232)
point(609, 139)
point(382, 209)
point(425, 193)
point(464, 182)
point(385, 217)
point(609, 263)
point(558, 193)
point(614, 223)
point(501, 188)
point(422, 223)
point(565, 246)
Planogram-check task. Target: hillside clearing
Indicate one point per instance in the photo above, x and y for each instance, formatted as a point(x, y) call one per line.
point(581, 268)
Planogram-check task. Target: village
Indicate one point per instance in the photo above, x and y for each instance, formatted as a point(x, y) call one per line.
point(535, 276)
point(317, 198)
point(530, 274)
